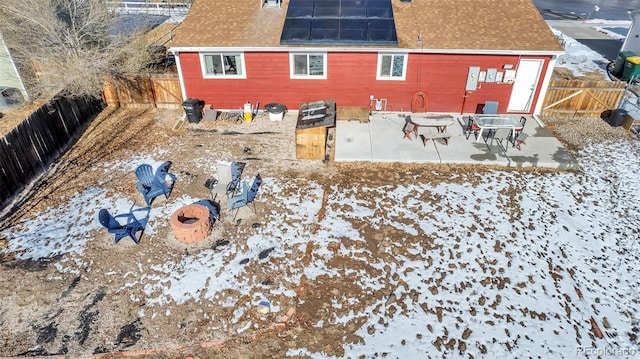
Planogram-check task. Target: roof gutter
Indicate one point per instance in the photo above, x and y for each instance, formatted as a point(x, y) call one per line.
point(366, 49)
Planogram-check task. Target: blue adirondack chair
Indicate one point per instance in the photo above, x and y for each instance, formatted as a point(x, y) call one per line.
point(120, 230)
point(214, 212)
point(246, 197)
point(151, 184)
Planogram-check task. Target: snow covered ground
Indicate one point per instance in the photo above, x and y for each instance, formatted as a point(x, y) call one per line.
point(467, 274)
point(581, 60)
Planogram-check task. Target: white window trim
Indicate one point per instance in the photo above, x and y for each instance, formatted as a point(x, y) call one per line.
point(392, 78)
point(203, 66)
point(307, 77)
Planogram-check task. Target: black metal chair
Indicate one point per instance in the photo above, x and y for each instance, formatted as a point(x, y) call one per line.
point(471, 127)
point(517, 131)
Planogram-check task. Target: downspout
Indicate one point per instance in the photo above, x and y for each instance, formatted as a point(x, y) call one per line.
point(545, 86)
point(176, 54)
point(183, 90)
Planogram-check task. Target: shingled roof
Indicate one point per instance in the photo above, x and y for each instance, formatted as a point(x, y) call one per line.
point(448, 25)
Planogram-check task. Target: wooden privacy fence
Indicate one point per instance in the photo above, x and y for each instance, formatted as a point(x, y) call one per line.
point(162, 92)
point(582, 98)
point(31, 146)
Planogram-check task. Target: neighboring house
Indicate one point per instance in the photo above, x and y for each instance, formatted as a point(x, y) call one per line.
point(11, 85)
point(632, 40)
point(458, 53)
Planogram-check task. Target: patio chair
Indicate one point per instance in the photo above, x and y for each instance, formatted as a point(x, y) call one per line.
point(236, 174)
point(520, 140)
point(501, 136)
point(253, 191)
point(151, 184)
point(218, 185)
point(471, 127)
point(518, 130)
point(246, 197)
point(236, 202)
point(490, 108)
point(408, 129)
point(214, 209)
point(121, 230)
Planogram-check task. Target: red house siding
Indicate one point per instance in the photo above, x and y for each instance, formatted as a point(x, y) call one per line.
point(351, 79)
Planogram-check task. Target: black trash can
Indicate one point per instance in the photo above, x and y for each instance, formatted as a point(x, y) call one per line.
point(275, 111)
point(618, 117)
point(193, 109)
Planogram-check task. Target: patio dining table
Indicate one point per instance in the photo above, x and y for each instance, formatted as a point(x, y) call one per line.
point(440, 122)
point(492, 122)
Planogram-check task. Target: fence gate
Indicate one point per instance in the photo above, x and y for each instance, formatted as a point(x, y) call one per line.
point(581, 98)
point(162, 92)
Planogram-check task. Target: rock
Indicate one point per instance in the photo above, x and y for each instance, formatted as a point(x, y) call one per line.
point(264, 307)
point(390, 299)
point(333, 246)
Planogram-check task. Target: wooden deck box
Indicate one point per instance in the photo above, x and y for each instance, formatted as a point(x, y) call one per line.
point(314, 120)
point(628, 122)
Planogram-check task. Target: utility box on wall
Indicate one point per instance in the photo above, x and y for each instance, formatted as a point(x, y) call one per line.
point(472, 78)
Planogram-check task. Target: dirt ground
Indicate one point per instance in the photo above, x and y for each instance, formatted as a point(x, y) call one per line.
point(82, 314)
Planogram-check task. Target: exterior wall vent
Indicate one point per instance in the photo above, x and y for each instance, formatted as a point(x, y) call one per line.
point(271, 3)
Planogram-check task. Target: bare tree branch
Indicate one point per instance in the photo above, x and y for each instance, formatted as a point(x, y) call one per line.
point(70, 45)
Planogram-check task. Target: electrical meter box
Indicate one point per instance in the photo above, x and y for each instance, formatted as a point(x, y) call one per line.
point(491, 75)
point(472, 78)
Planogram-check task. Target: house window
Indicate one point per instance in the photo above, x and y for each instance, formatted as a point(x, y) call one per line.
point(308, 66)
point(222, 65)
point(392, 67)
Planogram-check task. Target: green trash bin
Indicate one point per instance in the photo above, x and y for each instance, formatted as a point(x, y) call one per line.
point(631, 68)
point(618, 68)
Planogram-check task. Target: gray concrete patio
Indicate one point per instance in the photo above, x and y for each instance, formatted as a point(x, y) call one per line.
point(381, 140)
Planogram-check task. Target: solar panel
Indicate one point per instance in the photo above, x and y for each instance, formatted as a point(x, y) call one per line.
point(354, 3)
point(379, 12)
point(331, 3)
point(381, 31)
point(298, 30)
point(300, 12)
point(354, 24)
point(353, 12)
point(324, 35)
point(356, 36)
point(336, 22)
point(326, 12)
point(301, 3)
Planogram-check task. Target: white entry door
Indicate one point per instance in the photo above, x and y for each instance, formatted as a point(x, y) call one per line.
point(524, 86)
